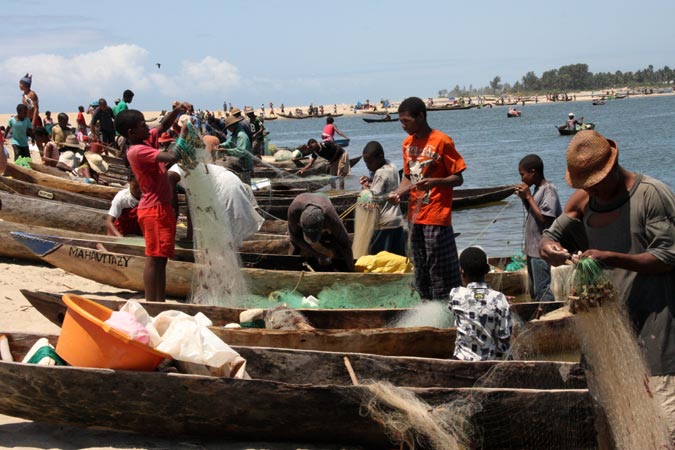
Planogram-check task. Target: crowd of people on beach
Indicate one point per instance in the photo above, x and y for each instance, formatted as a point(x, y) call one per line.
point(620, 218)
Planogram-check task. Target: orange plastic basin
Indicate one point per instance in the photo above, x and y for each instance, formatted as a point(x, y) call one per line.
point(86, 341)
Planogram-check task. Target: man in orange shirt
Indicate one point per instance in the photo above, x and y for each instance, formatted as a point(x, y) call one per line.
point(432, 168)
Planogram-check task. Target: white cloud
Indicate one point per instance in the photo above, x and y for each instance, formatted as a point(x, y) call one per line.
point(210, 74)
point(62, 82)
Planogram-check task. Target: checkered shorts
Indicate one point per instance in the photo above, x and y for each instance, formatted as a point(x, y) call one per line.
point(434, 254)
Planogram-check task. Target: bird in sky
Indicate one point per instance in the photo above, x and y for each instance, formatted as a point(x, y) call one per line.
point(158, 65)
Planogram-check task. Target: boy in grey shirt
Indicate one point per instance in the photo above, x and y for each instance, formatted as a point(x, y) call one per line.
point(390, 234)
point(542, 206)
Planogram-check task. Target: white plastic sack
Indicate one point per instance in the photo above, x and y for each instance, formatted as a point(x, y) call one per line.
point(188, 339)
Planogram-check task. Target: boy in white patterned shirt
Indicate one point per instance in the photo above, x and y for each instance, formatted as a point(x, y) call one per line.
point(482, 315)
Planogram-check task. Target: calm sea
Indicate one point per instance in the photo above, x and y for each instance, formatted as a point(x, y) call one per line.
point(492, 145)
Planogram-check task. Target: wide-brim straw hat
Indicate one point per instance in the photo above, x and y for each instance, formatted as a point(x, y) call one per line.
point(96, 162)
point(72, 142)
point(235, 111)
point(231, 120)
point(248, 110)
point(590, 158)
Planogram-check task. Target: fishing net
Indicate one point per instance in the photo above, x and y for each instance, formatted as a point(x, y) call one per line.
point(617, 374)
point(366, 217)
point(398, 294)
point(23, 161)
point(428, 314)
point(282, 155)
point(217, 278)
point(518, 261)
point(409, 420)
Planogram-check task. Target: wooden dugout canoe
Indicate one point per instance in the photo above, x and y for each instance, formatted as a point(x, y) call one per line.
point(126, 272)
point(35, 211)
point(34, 190)
point(42, 179)
point(327, 410)
point(391, 119)
point(342, 200)
point(10, 248)
point(320, 167)
point(564, 131)
point(48, 170)
point(48, 213)
point(52, 307)
point(183, 252)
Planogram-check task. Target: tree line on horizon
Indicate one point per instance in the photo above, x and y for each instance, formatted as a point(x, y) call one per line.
point(573, 77)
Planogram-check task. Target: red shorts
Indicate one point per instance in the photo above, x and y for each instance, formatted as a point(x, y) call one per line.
point(159, 229)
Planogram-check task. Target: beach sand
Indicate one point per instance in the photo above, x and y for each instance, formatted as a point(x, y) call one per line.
point(347, 109)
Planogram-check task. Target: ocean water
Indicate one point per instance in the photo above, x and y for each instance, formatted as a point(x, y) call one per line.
point(493, 144)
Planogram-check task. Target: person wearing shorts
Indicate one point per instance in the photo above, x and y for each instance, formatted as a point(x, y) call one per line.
point(155, 214)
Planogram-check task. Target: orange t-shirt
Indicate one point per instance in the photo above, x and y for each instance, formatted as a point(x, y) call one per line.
point(432, 157)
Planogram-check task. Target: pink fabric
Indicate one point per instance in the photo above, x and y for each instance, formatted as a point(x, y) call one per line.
point(126, 323)
point(328, 132)
point(151, 175)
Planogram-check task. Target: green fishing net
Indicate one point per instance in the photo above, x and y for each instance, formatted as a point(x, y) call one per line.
point(391, 295)
point(518, 261)
point(23, 161)
point(591, 286)
point(186, 147)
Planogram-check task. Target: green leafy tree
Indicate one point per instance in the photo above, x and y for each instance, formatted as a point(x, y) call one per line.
point(496, 84)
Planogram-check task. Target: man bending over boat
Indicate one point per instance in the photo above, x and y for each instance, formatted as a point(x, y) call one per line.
point(316, 231)
point(336, 155)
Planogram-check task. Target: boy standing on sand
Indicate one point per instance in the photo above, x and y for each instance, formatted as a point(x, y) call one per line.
point(543, 206)
point(21, 127)
point(432, 168)
point(482, 315)
point(155, 213)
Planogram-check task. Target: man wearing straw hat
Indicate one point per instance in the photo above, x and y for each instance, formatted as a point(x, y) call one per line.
point(626, 221)
point(239, 146)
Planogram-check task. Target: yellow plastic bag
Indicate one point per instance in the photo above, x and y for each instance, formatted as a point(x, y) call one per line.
point(384, 262)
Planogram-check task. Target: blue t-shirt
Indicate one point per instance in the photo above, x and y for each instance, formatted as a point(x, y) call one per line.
point(19, 129)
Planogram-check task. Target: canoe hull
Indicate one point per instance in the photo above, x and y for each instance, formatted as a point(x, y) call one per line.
point(47, 213)
point(42, 179)
point(47, 193)
point(565, 132)
point(173, 405)
point(52, 307)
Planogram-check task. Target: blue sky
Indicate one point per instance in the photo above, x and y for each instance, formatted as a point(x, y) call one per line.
point(301, 52)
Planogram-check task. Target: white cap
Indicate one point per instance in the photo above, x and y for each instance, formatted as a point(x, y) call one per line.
point(571, 114)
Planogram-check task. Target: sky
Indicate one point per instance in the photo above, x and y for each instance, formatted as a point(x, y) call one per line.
point(302, 52)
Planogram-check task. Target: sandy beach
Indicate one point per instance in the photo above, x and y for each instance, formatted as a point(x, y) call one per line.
point(348, 109)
